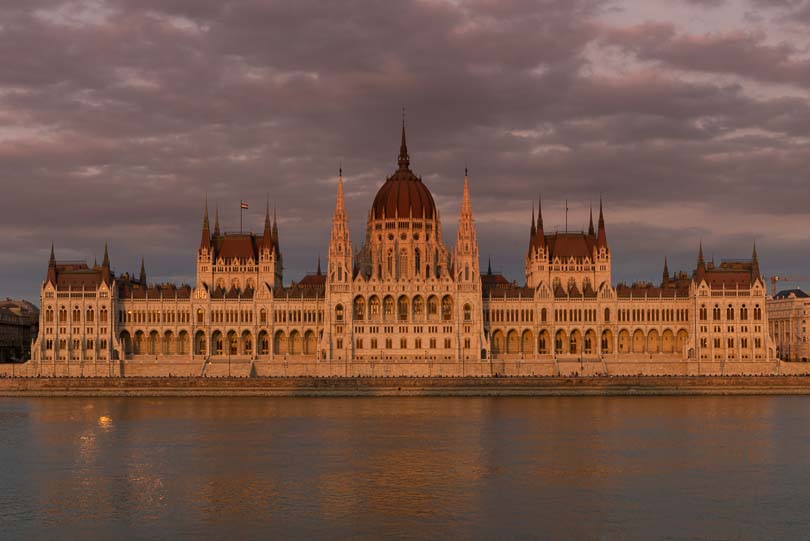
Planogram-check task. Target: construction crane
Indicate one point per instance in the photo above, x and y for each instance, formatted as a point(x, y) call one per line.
point(775, 279)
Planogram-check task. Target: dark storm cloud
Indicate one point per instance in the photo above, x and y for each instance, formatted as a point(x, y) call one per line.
point(117, 117)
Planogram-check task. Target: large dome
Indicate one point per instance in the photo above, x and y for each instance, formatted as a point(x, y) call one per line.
point(403, 194)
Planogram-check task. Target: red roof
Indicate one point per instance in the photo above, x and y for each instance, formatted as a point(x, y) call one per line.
point(567, 245)
point(242, 246)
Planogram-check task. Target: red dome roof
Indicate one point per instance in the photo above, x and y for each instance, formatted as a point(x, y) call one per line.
point(403, 194)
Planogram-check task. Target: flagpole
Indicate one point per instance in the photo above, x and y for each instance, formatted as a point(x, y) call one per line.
point(240, 215)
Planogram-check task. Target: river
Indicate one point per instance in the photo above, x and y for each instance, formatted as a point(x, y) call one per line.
point(405, 468)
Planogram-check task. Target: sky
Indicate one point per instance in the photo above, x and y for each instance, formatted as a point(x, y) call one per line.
point(689, 118)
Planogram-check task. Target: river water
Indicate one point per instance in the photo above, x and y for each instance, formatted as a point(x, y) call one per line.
point(406, 468)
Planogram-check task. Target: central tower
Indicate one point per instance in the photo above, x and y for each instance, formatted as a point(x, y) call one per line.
point(403, 233)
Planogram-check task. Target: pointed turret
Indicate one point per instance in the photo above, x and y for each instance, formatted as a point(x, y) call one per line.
point(532, 233)
point(267, 240)
point(142, 275)
point(590, 224)
point(700, 271)
point(274, 234)
point(52, 268)
point(340, 204)
point(404, 160)
point(466, 206)
point(601, 236)
point(205, 240)
point(489, 265)
point(540, 235)
point(105, 266)
point(339, 265)
point(216, 221)
point(754, 264)
point(665, 275)
point(318, 272)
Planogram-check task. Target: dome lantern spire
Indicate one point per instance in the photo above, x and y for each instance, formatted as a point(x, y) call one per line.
point(404, 161)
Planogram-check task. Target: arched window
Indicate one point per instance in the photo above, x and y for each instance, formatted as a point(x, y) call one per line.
point(447, 309)
point(359, 309)
point(389, 306)
point(556, 284)
point(417, 260)
point(89, 316)
point(716, 313)
point(418, 306)
point(403, 263)
point(757, 313)
point(433, 306)
point(571, 283)
point(466, 272)
point(607, 315)
point(390, 261)
point(63, 315)
point(467, 312)
point(200, 315)
point(102, 315)
point(586, 283)
point(704, 313)
point(730, 313)
point(49, 315)
point(262, 316)
point(543, 315)
point(339, 312)
point(403, 308)
point(744, 312)
point(374, 305)
point(77, 314)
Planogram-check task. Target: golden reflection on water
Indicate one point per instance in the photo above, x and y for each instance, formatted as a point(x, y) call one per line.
point(370, 466)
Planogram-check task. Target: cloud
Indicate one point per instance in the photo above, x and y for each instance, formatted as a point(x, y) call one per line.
point(117, 117)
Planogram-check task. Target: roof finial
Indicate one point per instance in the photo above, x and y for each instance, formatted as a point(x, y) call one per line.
point(318, 272)
point(489, 265)
point(404, 160)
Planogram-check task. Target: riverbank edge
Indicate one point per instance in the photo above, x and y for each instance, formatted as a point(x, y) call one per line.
point(404, 386)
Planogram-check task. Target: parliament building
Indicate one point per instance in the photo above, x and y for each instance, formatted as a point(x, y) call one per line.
point(405, 302)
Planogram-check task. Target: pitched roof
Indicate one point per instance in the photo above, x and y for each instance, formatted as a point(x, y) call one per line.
point(567, 245)
point(242, 246)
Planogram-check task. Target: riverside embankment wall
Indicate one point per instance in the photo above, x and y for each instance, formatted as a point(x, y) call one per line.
point(405, 386)
point(513, 368)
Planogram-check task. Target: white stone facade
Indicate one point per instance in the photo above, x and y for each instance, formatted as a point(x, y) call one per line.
point(404, 296)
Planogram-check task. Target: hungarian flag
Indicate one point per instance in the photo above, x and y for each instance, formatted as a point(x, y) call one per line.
point(243, 205)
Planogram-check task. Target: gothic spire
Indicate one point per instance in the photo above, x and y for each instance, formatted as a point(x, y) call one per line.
point(274, 234)
point(216, 221)
point(340, 204)
point(52, 268)
point(142, 277)
point(205, 240)
point(754, 263)
point(489, 265)
point(701, 263)
point(466, 206)
point(590, 223)
point(404, 161)
point(105, 266)
point(540, 235)
point(665, 275)
point(106, 261)
point(267, 240)
point(601, 237)
point(318, 272)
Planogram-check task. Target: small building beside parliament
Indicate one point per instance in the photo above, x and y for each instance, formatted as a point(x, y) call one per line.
point(406, 302)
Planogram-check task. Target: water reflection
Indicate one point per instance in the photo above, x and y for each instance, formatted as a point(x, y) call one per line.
point(711, 467)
